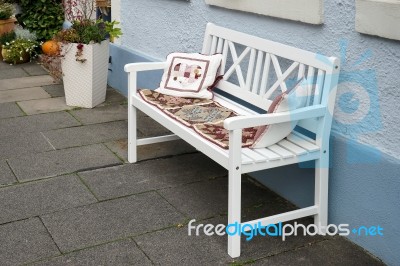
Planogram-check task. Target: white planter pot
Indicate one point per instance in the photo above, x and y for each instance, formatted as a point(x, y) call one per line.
point(85, 84)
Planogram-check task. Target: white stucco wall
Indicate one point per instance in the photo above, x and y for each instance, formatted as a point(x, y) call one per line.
point(158, 27)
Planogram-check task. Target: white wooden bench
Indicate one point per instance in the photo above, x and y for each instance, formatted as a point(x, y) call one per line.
point(254, 84)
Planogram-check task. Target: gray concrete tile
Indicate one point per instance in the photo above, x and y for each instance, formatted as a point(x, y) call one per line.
point(150, 128)
point(23, 94)
point(41, 106)
point(12, 73)
point(113, 96)
point(25, 241)
point(102, 114)
point(8, 110)
point(25, 82)
point(36, 123)
point(53, 163)
point(259, 246)
point(84, 135)
point(174, 246)
point(5, 66)
point(41, 197)
point(123, 252)
point(6, 175)
point(22, 144)
point(210, 198)
point(151, 151)
point(55, 90)
point(110, 220)
point(149, 175)
point(336, 251)
point(34, 69)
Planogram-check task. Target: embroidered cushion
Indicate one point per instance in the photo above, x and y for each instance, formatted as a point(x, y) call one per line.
point(286, 101)
point(190, 75)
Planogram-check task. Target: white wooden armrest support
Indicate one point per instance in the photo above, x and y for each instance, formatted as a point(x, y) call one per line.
point(144, 66)
point(253, 88)
point(269, 119)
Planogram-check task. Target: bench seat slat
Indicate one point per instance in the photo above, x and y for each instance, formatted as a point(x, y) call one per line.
point(267, 153)
point(256, 157)
point(292, 147)
point(281, 151)
point(302, 143)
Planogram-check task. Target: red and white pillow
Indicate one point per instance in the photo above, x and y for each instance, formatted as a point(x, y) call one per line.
point(190, 75)
point(286, 101)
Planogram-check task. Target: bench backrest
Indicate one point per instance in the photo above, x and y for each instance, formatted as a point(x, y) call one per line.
point(259, 74)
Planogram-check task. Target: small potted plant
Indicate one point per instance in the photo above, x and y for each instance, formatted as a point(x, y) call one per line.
point(7, 21)
point(6, 38)
point(84, 60)
point(22, 49)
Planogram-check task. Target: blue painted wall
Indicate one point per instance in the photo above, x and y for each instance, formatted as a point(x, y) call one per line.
point(365, 153)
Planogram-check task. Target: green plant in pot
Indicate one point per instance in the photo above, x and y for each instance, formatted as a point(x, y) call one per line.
point(6, 38)
point(84, 54)
point(44, 17)
point(7, 21)
point(20, 50)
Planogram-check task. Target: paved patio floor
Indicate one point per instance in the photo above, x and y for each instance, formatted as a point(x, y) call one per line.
point(68, 197)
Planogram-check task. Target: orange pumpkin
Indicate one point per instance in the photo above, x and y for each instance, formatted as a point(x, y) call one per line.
point(51, 48)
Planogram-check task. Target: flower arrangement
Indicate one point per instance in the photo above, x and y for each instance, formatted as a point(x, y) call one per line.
point(7, 37)
point(78, 9)
point(20, 47)
point(19, 51)
point(87, 32)
point(6, 10)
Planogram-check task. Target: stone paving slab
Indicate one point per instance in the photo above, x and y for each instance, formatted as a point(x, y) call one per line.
point(41, 106)
point(22, 144)
point(6, 176)
point(110, 220)
point(150, 128)
point(25, 241)
point(5, 66)
point(55, 90)
point(149, 175)
point(113, 96)
point(260, 246)
point(37, 123)
point(53, 163)
point(151, 151)
point(8, 110)
point(336, 251)
point(210, 198)
point(34, 69)
point(173, 246)
point(12, 73)
point(85, 135)
point(25, 82)
point(36, 198)
point(101, 114)
point(119, 253)
point(23, 94)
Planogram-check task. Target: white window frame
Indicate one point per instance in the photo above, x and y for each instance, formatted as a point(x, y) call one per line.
point(378, 17)
point(308, 11)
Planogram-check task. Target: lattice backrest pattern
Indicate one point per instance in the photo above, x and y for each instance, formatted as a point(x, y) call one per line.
point(259, 65)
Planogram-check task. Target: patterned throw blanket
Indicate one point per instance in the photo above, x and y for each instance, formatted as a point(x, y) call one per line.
point(206, 117)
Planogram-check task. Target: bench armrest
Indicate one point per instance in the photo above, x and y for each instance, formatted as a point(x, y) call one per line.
point(144, 66)
point(239, 122)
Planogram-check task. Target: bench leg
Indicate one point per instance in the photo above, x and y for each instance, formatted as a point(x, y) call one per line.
point(234, 190)
point(132, 135)
point(234, 211)
point(321, 194)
